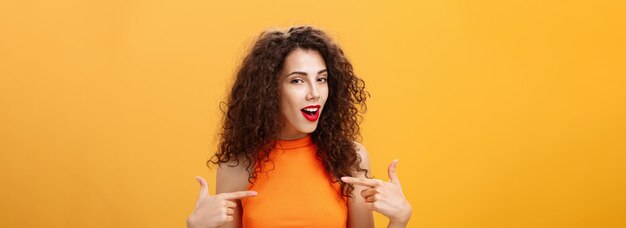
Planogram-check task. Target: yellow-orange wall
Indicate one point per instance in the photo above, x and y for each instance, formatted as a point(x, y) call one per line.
point(502, 113)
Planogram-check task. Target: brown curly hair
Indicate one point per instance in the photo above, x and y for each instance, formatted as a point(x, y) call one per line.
point(251, 123)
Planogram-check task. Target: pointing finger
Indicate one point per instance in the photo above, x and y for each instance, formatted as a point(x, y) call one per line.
point(204, 187)
point(362, 181)
point(393, 177)
point(237, 195)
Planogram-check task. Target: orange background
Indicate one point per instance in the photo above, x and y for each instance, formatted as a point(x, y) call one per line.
point(502, 113)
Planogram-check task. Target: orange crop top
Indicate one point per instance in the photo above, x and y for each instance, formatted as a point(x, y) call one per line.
point(296, 192)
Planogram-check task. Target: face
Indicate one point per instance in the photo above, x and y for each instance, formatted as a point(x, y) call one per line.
point(303, 92)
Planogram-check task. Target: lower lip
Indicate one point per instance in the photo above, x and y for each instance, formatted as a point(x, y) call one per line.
point(311, 117)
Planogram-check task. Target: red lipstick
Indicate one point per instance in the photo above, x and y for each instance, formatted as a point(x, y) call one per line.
point(311, 112)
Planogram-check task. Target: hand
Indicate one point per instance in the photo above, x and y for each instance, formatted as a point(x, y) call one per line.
point(385, 197)
point(213, 211)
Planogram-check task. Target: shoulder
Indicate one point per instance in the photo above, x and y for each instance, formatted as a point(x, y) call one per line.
point(231, 177)
point(358, 214)
point(361, 151)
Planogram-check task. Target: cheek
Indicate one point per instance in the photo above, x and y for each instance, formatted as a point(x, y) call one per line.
point(324, 93)
point(287, 102)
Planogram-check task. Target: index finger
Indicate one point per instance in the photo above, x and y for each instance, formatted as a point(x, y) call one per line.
point(237, 195)
point(361, 181)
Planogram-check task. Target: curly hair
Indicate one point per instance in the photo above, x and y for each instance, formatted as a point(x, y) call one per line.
point(251, 123)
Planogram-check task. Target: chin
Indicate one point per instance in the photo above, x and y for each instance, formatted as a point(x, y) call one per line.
point(308, 130)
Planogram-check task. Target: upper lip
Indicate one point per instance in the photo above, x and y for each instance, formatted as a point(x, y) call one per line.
point(312, 106)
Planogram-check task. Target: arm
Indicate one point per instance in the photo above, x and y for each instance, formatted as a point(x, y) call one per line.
point(213, 211)
point(383, 197)
point(358, 214)
point(232, 179)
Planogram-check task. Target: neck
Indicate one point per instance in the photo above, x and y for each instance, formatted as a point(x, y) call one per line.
point(291, 135)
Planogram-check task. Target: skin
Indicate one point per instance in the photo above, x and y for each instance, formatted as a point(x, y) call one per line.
point(384, 197)
point(213, 211)
point(303, 82)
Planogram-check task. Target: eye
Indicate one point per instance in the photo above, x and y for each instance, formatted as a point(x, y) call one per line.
point(324, 79)
point(297, 81)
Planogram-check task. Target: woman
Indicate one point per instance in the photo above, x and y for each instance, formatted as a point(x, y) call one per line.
point(289, 140)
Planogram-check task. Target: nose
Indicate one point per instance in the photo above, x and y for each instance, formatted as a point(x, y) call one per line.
point(313, 93)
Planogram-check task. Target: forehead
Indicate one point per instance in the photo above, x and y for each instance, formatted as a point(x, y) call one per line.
point(303, 60)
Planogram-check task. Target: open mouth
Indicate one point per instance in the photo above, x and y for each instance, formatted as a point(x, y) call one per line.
point(311, 113)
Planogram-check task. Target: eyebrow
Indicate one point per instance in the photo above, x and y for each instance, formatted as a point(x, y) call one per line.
point(302, 73)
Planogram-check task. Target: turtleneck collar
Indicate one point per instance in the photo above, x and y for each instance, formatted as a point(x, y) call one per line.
point(295, 143)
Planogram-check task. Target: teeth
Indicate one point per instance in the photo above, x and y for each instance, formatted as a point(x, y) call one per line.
point(311, 109)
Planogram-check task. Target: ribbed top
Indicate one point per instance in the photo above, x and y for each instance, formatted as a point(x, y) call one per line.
point(295, 191)
point(295, 143)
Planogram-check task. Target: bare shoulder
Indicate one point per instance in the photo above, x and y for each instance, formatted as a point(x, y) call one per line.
point(361, 150)
point(358, 214)
point(363, 154)
point(231, 177)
